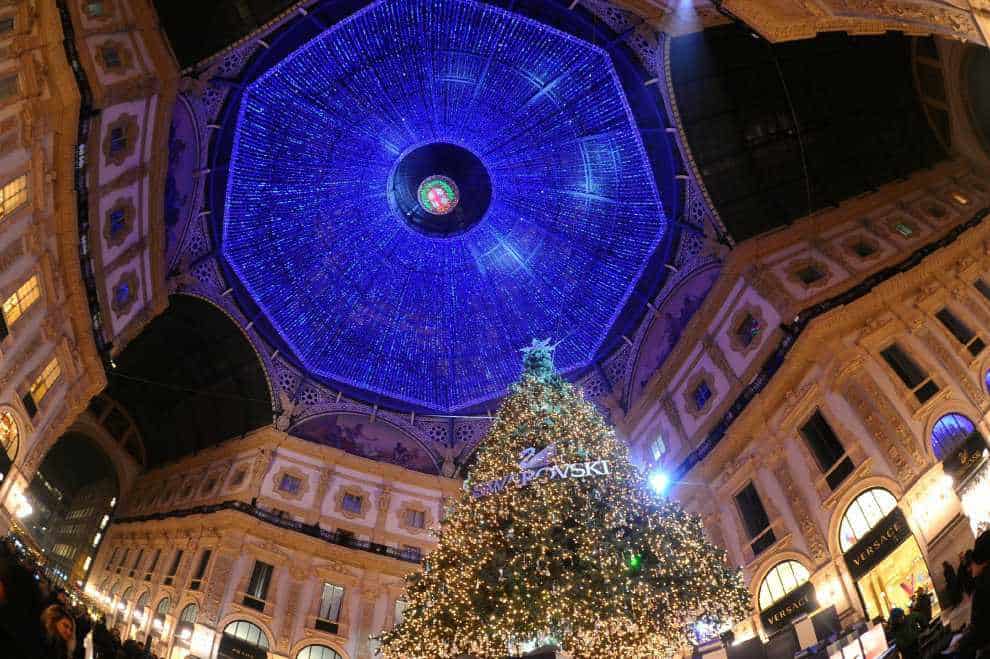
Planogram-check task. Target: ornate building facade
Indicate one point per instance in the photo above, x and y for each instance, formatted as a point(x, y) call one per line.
point(835, 380)
point(304, 543)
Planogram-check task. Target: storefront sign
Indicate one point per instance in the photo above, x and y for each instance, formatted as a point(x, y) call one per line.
point(794, 604)
point(877, 544)
point(533, 466)
point(966, 458)
point(232, 647)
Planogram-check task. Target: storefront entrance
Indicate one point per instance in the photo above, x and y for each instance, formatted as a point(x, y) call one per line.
point(882, 555)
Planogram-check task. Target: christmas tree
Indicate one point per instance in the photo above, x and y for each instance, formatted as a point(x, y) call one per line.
point(557, 537)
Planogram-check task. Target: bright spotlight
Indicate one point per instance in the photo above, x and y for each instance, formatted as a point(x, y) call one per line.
point(659, 481)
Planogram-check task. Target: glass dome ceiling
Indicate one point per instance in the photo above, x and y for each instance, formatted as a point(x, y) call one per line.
point(335, 241)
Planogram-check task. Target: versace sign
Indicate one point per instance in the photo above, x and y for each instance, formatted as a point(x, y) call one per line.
point(794, 604)
point(877, 544)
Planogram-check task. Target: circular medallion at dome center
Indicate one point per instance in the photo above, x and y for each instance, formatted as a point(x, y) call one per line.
point(438, 195)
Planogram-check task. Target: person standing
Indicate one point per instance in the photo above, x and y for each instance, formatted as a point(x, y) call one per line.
point(976, 642)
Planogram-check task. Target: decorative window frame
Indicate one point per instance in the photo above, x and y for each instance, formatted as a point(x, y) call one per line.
point(409, 506)
point(735, 343)
point(125, 204)
point(795, 267)
point(129, 124)
point(121, 308)
point(123, 53)
point(925, 205)
point(692, 384)
point(850, 246)
point(356, 491)
point(294, 473)
point(238, 477)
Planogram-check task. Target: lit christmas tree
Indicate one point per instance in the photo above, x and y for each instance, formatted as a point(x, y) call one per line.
point(557, 537)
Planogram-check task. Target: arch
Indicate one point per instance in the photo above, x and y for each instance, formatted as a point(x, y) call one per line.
point(144, 599)
point(975, 78)
point(164, 606)
point(318, 652)
point(862, 514)
point(842, 503)
point(295, 652)
point(780, 580)
point(949, 432)
point(248, 632)
point(126, 594)
point(189, 613)
point(11, 432)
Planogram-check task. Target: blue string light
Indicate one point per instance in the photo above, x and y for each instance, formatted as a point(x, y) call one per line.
point(437, 321)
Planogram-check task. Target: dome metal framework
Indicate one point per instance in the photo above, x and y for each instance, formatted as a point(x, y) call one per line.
point(433, 317)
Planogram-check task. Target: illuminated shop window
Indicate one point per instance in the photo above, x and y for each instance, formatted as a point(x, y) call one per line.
point(20, 300)
point(949, 432)
point(863, 514)
point(782, 579)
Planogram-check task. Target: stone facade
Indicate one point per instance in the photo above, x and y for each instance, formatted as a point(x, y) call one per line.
point(273, 498)
point(818, 348)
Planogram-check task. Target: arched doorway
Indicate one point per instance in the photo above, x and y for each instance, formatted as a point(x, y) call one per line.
point(139, 615)
point(184, 628)
point(10, 440)
point(120, 619)
point(241, 639)
point(785, 594)
point(161, 611)
point(958, 445)
point(881, 553)
point(318, 652)
point(74, 488)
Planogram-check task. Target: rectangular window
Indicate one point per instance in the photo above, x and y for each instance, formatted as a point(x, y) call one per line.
point(920, 384)
point(45, 380)
point(827, 449)
point(8, 87)
point(95, 8)
point(21, 300)
point(983, 287)
point(6, 25)
point(170, 577)
point(331, 600)
point(197, 579)
point(257, 590)
point(416, 518)
point(352, 503)
point(12, 195)
point(755, 519)
point(864, 249)
point(111, 58)
point(810, 274)
point(154, 564)
point(658, 448)
point(964, 335)
point(123, 559)
point(289, 484)
point(410, 553)
point(118, 140)
point(112, 556)
point(904, 229)
point(137, 562)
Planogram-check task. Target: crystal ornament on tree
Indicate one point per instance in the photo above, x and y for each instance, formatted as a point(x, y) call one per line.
point(557, 536)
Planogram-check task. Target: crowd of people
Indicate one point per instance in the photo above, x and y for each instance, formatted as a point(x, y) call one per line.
point(39, 620)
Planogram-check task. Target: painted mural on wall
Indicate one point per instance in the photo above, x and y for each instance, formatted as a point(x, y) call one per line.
point(667, 328)
point(358, 435)
point(183, 157)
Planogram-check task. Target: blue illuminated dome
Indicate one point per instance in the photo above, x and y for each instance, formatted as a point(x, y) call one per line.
point(557, 212)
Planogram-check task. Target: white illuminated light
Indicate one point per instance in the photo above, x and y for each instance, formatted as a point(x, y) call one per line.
point(185, 634)
point(96, 539)
point(121, 606)
point(103, 522)
point(659, 481)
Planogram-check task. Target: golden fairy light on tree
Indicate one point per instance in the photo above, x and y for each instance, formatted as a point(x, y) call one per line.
point(556, 536)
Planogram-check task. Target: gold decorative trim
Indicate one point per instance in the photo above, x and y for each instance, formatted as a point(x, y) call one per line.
point(124, 55)
point(703, 376)
point(126, 205)
point(355, 491)
point(414, 507)
point(291, 472)
point(121, 307)
point(794, 269)
point(735, 341)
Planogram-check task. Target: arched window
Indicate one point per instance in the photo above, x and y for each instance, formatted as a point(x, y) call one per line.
point(143, 600)
point(863, 514)
point(9, 434)
point(949, 433)
point(164, 606)
point(782, 579)
point(318, 652)
point(189, 614)
point(247, 632)
point(126, 596)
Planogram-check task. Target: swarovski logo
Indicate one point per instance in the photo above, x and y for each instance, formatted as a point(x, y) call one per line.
point(533, 466)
